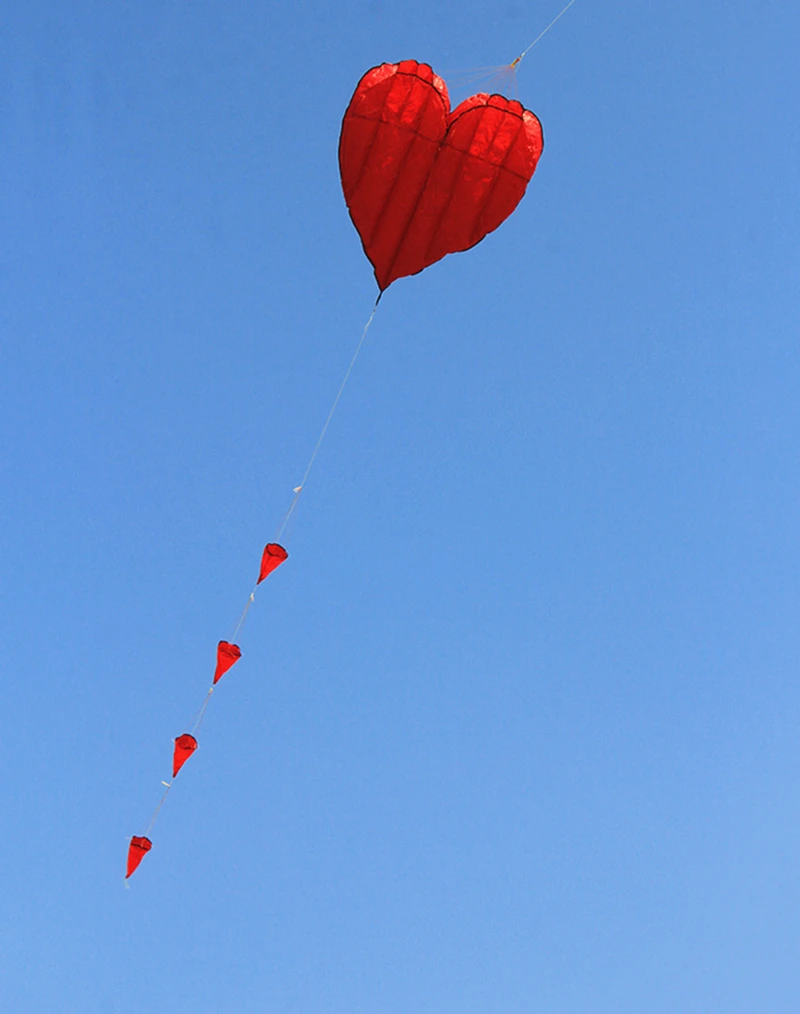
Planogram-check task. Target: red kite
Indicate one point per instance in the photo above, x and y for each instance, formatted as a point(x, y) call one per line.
point(272, 557)
point(137, 850)
point(421, 181)
point(227, 655)
point(185, 746)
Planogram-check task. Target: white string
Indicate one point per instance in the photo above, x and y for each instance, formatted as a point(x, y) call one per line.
point(201, 714)
point(238, 626)
point(158, 809)
point(299, 489)
point(542, 34)
point(197, 721)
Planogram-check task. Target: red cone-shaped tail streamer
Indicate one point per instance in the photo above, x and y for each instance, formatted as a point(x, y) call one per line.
point(422, 181)
point(227, 655)
point(185, 746)
point(137, 850)
point(273, 557)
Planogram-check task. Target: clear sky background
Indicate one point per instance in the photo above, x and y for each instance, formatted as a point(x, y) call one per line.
point(516, 727)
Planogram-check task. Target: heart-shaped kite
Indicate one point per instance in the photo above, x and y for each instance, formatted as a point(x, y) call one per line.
point(421, 181)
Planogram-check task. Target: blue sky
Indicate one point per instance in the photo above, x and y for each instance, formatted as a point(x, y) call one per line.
point(516, 726)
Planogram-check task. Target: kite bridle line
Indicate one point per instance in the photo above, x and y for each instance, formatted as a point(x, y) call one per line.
point(541, 35)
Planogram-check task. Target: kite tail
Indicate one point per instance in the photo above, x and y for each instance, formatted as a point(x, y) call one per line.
point(228, 653)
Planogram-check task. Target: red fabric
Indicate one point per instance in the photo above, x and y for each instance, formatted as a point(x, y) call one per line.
point(227, 655)
point(272, 557)
point(421, 181)
point(185, 746)
point(137, 850)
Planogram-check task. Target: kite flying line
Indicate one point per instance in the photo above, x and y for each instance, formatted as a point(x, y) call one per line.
point(420, 182)
point(541, 35)
point(299, 489)
point(501, 77)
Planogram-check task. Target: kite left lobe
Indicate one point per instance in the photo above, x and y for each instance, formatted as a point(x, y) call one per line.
point(137, 850)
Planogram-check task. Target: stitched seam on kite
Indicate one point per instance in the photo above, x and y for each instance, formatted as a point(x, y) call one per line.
point(367, 154)
point(499, 165)
point(360, 116)
point(378, 122)
point(445, 110)
point(351, 192)
point(446, 208)
point(419, 199)
point(416, 133)
point(501, 168)
point(371, 144)
point(526, 179)
point(446, 105)
point(413, 130)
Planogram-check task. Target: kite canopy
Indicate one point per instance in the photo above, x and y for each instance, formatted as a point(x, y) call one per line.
point(137, 850)
point(272, 557)
point(421, 181)
point(227, 655)
point(185, 746)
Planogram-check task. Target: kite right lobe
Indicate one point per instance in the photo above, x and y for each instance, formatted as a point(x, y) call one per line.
point(137, 850)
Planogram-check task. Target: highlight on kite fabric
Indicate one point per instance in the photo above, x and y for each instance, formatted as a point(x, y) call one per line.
point(137, 850)
point(227, 655)
point(272, 557)
point(185, 746)
point(421, 181)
